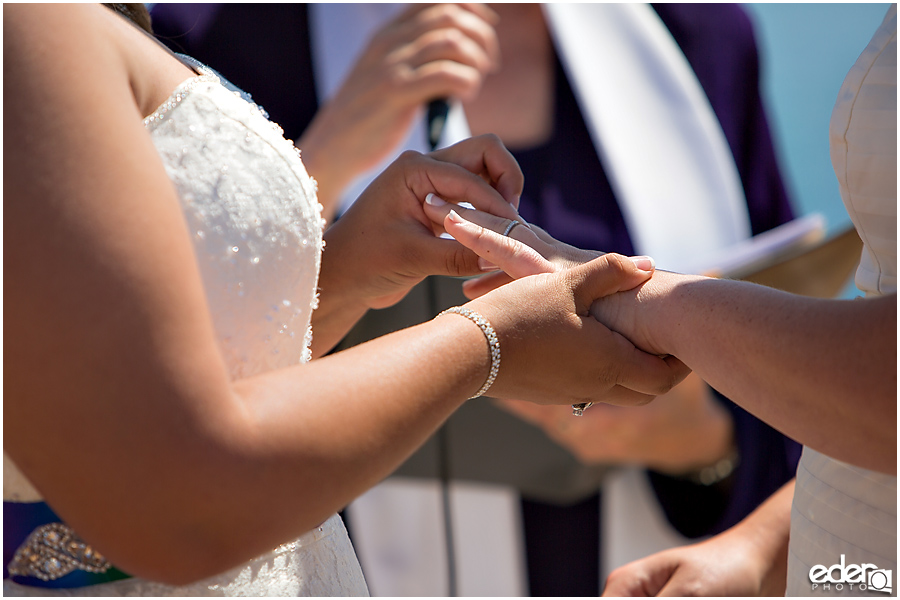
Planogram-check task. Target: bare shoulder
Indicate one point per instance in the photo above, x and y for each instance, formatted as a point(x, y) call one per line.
point(43, 40)
point(56, 60)
point(84, 48)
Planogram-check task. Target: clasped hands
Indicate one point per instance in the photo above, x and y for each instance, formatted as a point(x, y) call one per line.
point(683, 431)
point(554, 351)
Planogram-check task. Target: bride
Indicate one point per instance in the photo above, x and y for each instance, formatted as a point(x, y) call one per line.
point(168, 420)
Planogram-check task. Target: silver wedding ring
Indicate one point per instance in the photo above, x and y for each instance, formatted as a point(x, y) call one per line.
point(510, 227)
point(578, 409)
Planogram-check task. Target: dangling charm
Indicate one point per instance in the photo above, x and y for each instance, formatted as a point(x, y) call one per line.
point(578, 409)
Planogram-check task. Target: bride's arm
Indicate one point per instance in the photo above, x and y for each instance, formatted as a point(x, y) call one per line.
point(118, 404)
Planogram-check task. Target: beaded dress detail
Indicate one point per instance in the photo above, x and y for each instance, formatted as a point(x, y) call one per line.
point(250, 209)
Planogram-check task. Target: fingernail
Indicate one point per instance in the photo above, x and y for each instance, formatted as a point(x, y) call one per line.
point(455, 217)
point(434, 200)
point(644, 263)
point(486, 265)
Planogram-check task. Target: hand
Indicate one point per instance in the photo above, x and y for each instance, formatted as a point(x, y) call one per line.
point(636, 377)
point(554, 353)
point(527, 249)
point(428, 52)
point(750, 559)
point(385, 244)
point(639, 314)
point(681, 431)
point(717, 567)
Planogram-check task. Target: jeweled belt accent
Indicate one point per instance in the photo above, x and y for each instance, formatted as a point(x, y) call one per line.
point(54, 550)
point(40, 550)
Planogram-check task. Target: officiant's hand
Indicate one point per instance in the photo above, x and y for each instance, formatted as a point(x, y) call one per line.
point(726, 565)
point(749, 559)
point(427, 52)
point(679, 433)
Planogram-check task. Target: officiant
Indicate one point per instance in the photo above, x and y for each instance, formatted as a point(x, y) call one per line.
point(640, 130)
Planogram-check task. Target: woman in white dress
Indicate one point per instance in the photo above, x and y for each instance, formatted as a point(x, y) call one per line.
point(163, 250)
point(822, 371)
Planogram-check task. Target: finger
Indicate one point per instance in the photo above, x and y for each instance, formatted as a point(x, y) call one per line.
point(649, 375)
point(486, 155)
point(644, 577)
point(453, 182)
point(528, 411)
point(644, 374)
point(447, 45)
point(624, 582)
point(408, 13)
point(475, 288)
point(470, 22)
point(619, 395)
point(509, 225)
point(515, 258)
point(437, 79)
point(671, 583)
point(482, 10)
point(609, 274)
point(425, 176)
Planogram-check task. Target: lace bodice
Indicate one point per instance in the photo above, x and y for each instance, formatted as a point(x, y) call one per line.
point(252, 214)
point(251, 211)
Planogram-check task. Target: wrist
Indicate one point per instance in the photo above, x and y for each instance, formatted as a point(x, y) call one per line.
point(479, 371)
point(766, 534)
point(492, 341)
point(717, 472)
point(663, 304)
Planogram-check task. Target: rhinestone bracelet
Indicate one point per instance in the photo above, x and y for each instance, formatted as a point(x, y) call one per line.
point(493, 343)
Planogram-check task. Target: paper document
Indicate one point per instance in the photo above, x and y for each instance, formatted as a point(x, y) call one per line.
point(776, 245)
point(795, 257)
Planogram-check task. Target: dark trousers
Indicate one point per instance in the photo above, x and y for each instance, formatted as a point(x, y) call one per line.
point(562, 547)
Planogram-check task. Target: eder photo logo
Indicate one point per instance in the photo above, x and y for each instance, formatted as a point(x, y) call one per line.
point(864, 577)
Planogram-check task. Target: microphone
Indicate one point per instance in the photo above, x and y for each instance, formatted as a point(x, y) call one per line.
point(436, 119)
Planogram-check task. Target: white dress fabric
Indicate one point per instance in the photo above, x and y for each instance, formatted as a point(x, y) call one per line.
point(840, 509)
point(251, 211)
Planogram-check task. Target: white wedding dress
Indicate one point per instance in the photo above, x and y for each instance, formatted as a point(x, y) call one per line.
point(843, 514)
point(251, 211)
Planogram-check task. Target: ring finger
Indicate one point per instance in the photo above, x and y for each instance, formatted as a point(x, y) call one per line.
point(437, 210)
point(514, 254)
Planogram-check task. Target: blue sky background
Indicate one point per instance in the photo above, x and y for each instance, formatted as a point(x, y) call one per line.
point(805, 52)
